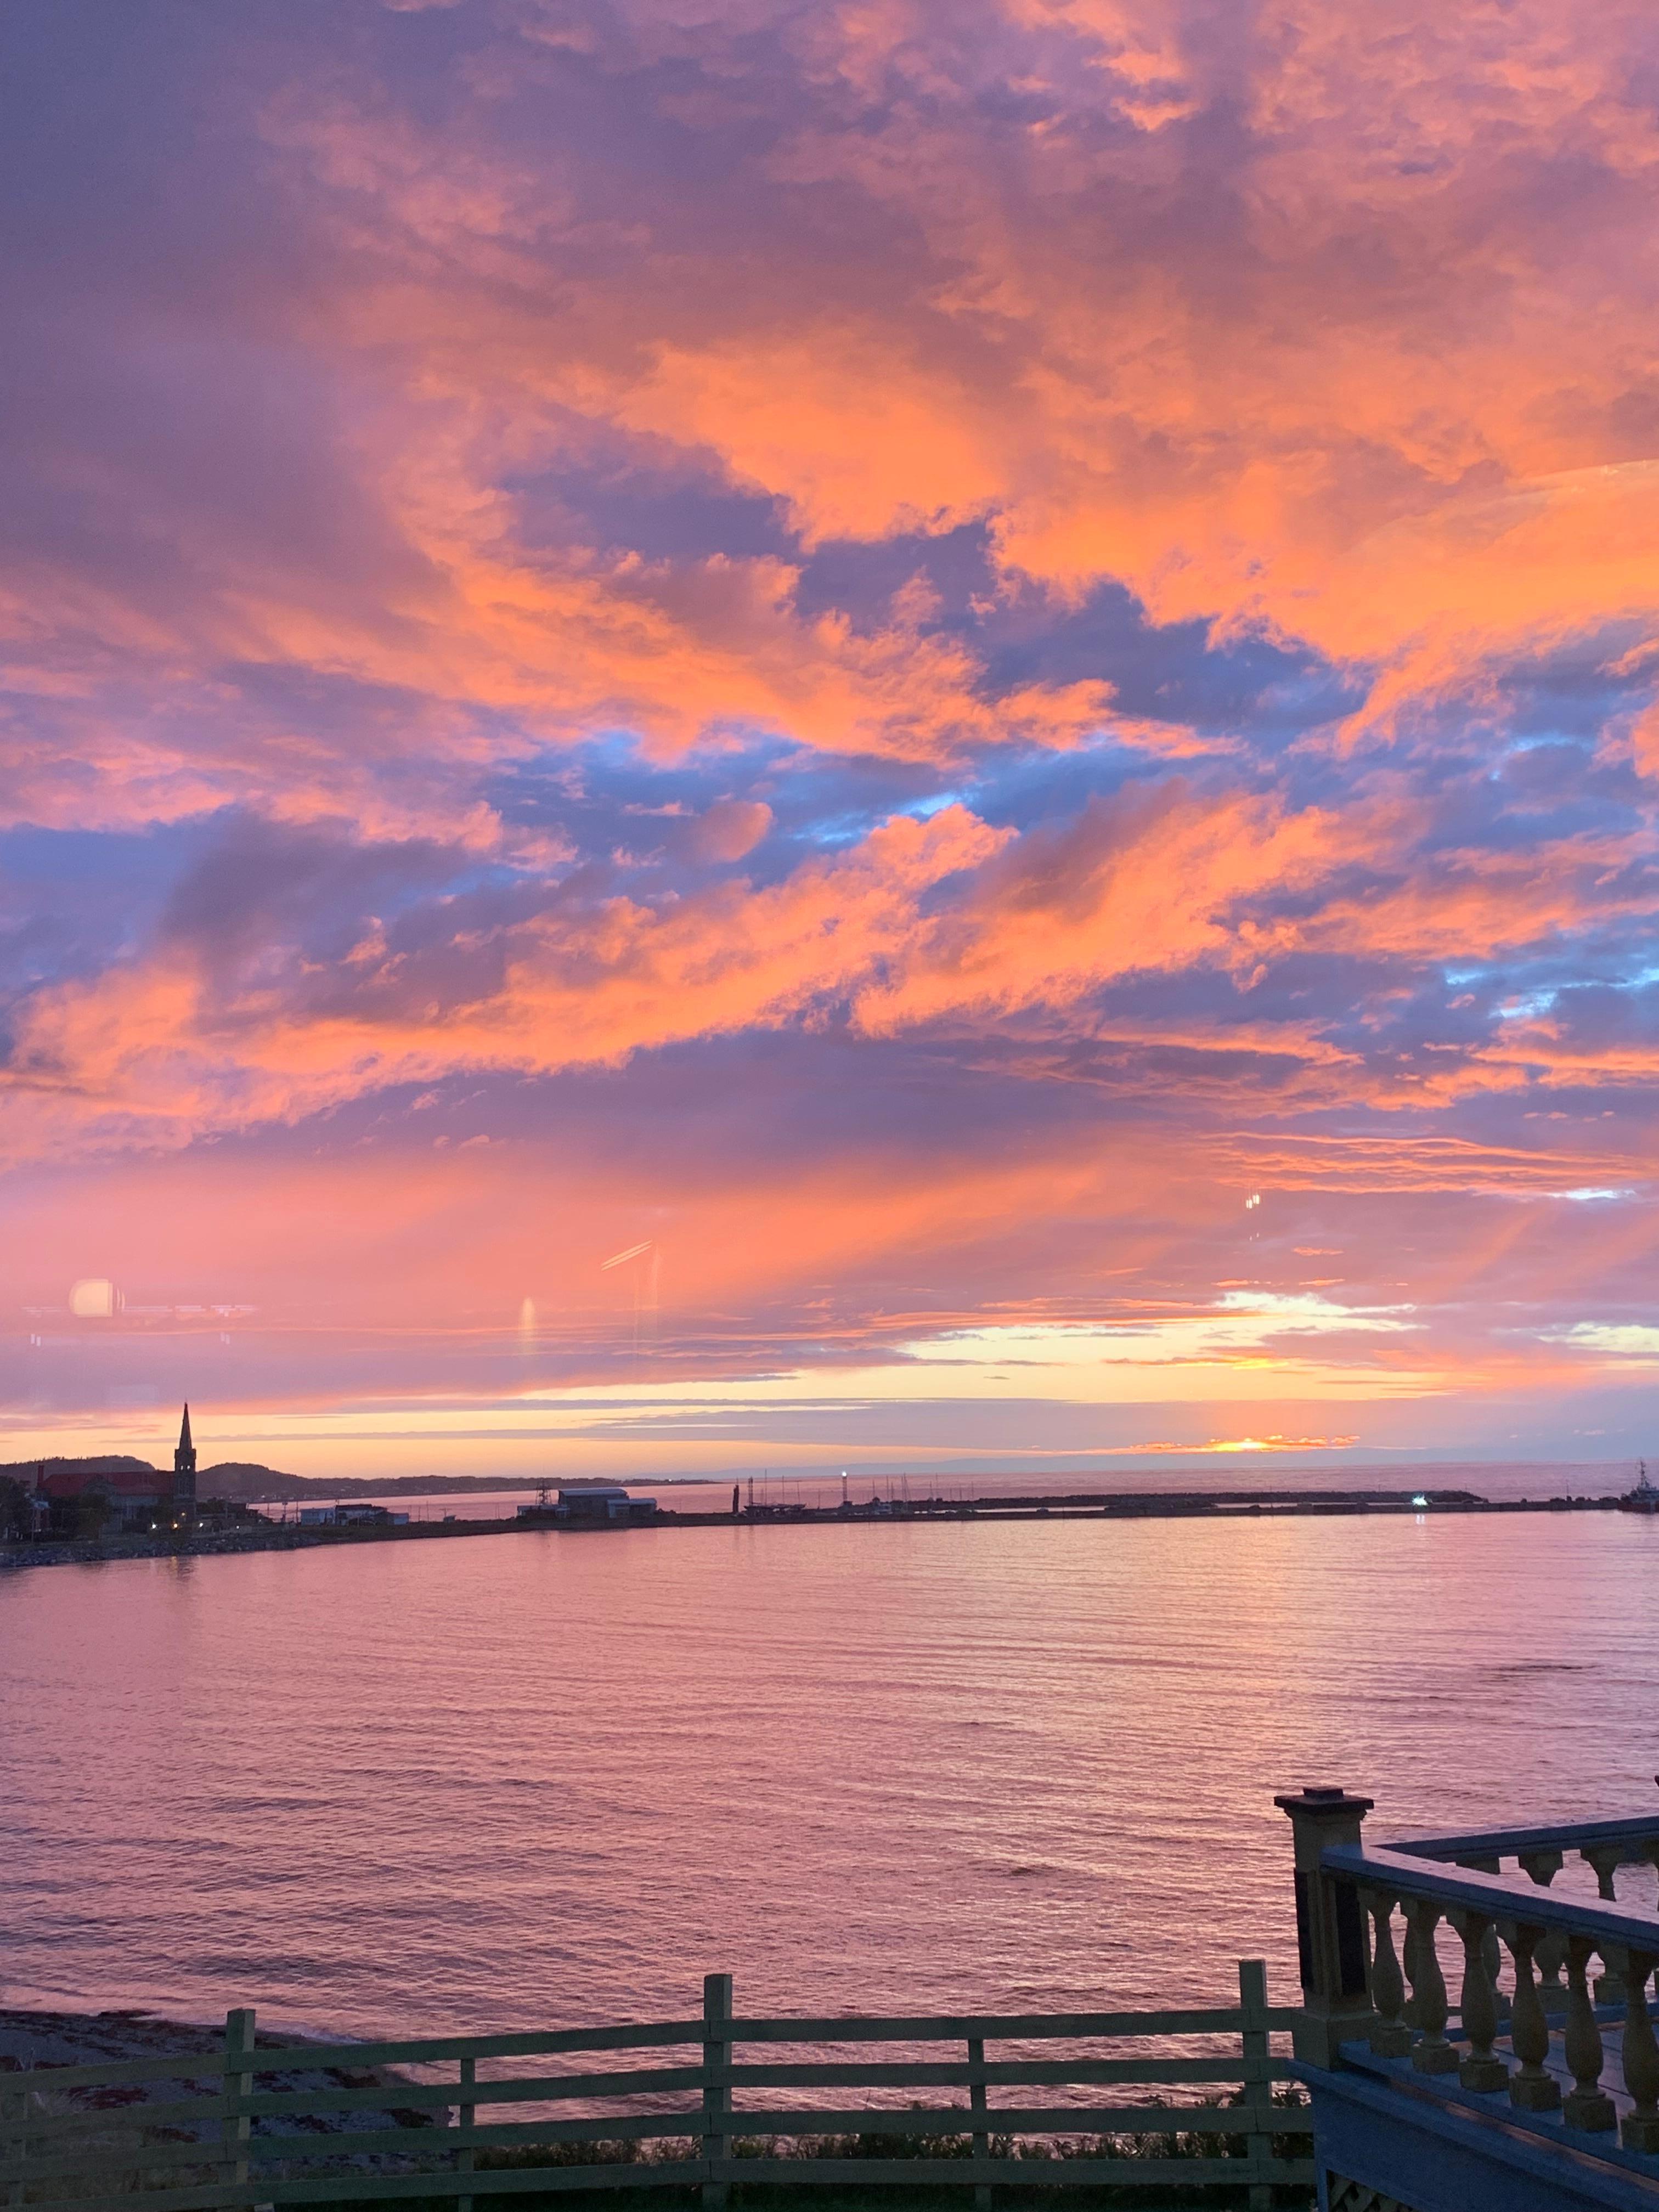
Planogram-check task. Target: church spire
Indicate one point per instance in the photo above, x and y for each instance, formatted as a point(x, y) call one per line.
point(184, 1469)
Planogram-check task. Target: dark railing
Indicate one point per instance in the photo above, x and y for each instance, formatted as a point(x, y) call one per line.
point(235, 2131)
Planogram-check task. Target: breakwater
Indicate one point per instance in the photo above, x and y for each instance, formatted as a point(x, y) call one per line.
point(876, 1512)
point(1151, 1505)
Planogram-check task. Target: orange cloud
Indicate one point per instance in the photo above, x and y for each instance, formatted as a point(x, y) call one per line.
point(1131, 891)
point(997, 405)
point(1350, 375)
point(168, 1044)
point(946, 920)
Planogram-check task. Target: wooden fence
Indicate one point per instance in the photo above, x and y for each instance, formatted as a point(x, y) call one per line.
point(234, 2133)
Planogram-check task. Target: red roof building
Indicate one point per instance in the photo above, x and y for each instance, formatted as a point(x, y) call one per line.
point(140, 1497)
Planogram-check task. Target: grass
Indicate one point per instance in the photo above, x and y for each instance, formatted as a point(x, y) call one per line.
point(1046, 2155)
point(1176, 2142)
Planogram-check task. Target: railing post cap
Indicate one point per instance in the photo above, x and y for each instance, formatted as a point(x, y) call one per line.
point(1317, 1801)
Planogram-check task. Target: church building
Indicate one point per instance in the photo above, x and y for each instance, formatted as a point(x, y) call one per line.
point(85, 1498)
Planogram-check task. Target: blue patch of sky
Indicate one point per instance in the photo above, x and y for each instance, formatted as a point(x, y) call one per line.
point(1258, 688)
point(610, 794)
point(1019, 785)
point(259, 882)
point(1543, 795)
point(1174, 672)
point(72, 900)
point(1581, 981)
point(1573, 686)
point(1534, 745)
point(1260, 692)
point(1526, 1007)
point(616, 505)
point(1250, 687)
point(860, 578)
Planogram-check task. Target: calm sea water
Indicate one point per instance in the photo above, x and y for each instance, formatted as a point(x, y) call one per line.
point(541, 1778)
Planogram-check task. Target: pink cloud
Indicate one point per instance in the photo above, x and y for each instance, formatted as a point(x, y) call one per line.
point(699, 538)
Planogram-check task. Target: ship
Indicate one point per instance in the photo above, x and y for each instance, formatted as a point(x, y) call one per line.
point(1645, 1499)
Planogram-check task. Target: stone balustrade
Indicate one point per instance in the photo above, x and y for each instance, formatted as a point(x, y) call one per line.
point(1522, 2045)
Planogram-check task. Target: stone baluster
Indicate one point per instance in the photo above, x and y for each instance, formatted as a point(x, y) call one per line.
point(1533, 2089)
point(1639, 2130)
point(1482, 2068)
point(1489, 1941)
point(1586, 2105)
point(1409, 1952)
point(1494, 1959)
point(1605, 1860)
point(1390, 2038)
point(1433, 2053)
point(1543, 1866)
point(1489, 1950)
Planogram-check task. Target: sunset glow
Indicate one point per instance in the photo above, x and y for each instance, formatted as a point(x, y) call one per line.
point(752, 735)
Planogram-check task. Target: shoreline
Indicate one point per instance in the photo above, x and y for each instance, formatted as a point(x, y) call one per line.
point(108, 1550)
point(52, 2035)
point(35, 2042)
point(46, 2036)
point(1144, 1506)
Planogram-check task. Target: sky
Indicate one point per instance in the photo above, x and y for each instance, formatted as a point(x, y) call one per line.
point(975, 687)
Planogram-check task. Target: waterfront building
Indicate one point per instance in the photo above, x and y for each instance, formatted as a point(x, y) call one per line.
point(591, 1504)
point(80, 1501)
point(351, 1517)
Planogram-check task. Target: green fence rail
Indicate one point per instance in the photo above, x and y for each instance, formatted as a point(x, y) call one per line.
point(230, 2129)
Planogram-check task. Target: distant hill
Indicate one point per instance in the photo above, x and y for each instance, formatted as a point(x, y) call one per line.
point(233, 1478)
point(245, 1482)
point(23, 1470)
point(249, 1484)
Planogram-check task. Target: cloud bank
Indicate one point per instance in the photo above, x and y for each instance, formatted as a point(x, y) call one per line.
point(907, 653)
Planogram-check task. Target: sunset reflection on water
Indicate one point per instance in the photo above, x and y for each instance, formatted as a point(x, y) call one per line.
point(541, 1779)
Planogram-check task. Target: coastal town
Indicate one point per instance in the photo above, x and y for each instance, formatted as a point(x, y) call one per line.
point(69, 1499)
point(62, 1510)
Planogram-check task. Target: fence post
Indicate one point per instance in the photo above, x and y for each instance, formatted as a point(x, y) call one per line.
point(18, 2149)
point(464, 2157)
point(1258, 2077)
point(238, 2086)
point(716, 2084)
point(1330, 1927)
point(982, 2139)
